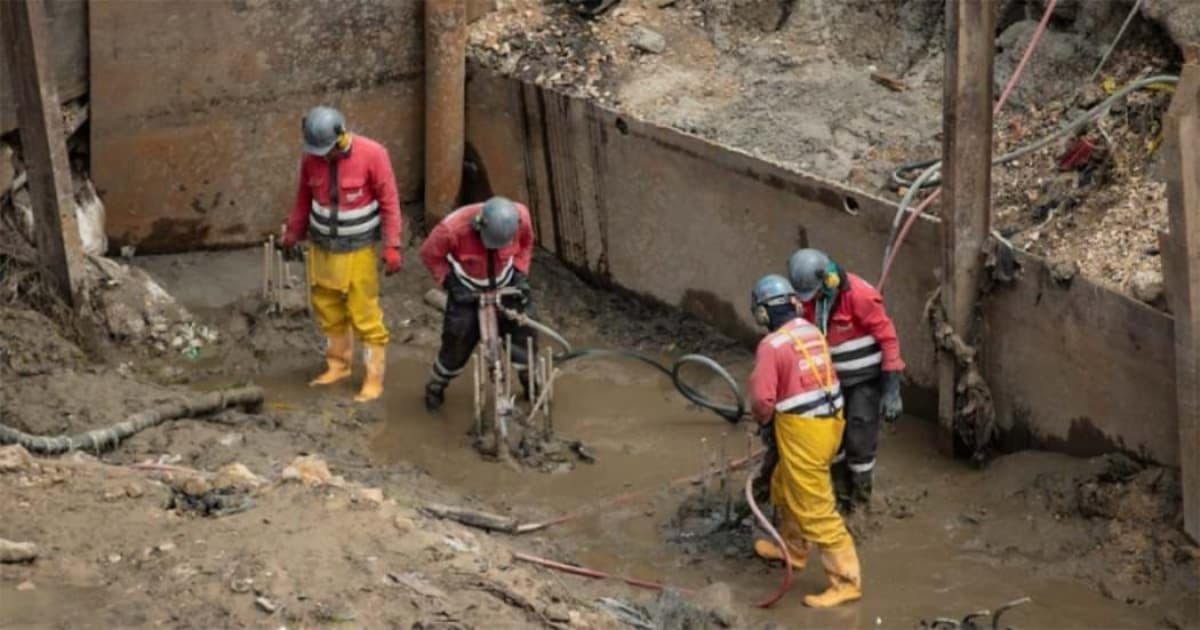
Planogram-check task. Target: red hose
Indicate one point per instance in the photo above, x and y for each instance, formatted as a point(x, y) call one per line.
point(787, 557)
point(592, 573)
point(1008, 88)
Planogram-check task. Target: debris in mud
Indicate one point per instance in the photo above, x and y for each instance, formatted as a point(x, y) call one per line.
point(236, 477)
point(711, 607)
point(648, 40)
point(14, 458)
point(1063, 271)
point(17, 552)
point(548, 45)
point(195, 495)
point(473, 518)
point(310, 471)
point(980, 620)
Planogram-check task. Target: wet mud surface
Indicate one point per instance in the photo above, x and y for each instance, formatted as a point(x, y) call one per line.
point(1095, 543)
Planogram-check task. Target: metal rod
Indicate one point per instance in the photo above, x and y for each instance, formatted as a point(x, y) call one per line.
point(545, 391)
point(282, 284)
point(508, 367)
point(531, 374)
point(551, 375)
point(476, 371)
point(266, 269)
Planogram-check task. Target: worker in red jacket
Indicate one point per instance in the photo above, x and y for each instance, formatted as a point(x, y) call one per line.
point(795, 395)
point(866, 354)
point(476, 247)
point(346, 205)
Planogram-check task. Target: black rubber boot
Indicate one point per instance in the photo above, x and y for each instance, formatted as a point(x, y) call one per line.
point(435, 395)
point(861, 482)
point(843, 488)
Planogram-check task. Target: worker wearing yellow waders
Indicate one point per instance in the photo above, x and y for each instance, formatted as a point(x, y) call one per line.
point(346, 205)
point(794, 391)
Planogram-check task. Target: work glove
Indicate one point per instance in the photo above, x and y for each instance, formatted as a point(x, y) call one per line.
point(891, 404)
point(392, 261)
point(289, 245)
point(521, 283)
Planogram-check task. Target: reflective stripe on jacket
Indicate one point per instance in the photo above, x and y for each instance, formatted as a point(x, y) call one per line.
point(455, 247)
point(786, 380)
point(361, 209)
point(862, 338)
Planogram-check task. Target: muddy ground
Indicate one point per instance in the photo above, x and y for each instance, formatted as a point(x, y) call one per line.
point(851, 89)
point(1095, 543)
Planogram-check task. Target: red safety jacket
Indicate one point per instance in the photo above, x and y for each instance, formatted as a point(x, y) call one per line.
point(786, 380)
point(862, 338)
point(455, 246)
point(362, 209)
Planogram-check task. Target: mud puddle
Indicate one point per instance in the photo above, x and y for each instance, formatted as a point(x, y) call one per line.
point(918, 560)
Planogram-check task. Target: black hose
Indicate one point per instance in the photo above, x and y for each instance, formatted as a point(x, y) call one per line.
point(731, 413)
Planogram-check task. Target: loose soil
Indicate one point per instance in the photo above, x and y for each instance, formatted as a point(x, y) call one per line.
point(1093, 542)
point(851, 89)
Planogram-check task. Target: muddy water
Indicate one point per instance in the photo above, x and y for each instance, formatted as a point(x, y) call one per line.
point(643, 435)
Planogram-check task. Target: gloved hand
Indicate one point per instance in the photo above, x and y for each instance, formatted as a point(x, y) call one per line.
point(521, 283)
point(290, 247)
point(891, 404)
point(392, 261)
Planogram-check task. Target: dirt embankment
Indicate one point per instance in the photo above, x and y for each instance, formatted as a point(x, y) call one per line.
point(851, 90)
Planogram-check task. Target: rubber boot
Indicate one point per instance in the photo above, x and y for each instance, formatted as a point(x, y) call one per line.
point(845, 578)
point(768, 550)
point(372, 387)
point(435, 395)
point(861, 483)
point(339, 352)
point(843, 488)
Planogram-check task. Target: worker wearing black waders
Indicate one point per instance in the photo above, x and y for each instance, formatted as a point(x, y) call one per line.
point(866, 354)
point(476, 248)
point(794, 392)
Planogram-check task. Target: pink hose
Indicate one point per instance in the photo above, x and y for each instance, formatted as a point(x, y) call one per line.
point(1008, 88)
point(787, 557)
point(592, 573)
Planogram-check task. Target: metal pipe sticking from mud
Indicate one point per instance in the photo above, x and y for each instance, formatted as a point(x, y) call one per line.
point(477, 372)
point(531, 374)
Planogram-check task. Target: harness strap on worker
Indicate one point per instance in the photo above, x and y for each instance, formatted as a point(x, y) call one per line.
point(334, 219)
point(826, 383)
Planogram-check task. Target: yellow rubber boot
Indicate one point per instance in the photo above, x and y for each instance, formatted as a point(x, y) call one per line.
point(768, 550)
point(338, 354)
point(845, 579)
point(372, 387)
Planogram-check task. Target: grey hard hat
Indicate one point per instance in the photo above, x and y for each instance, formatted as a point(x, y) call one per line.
point(498, 222)
point(770, 290)
point(322, 126)
point(807, 269)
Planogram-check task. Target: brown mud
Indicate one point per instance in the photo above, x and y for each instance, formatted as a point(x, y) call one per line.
point(1095, 543)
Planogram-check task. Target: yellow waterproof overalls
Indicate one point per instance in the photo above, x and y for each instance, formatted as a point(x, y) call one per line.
point(802, 491)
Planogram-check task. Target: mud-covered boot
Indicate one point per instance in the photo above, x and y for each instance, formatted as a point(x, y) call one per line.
point(768, 550)
point(339, 352)
point(376, 359)
point(845, 578)
point(435, 395)
point(843, 488)
point(861, 484)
